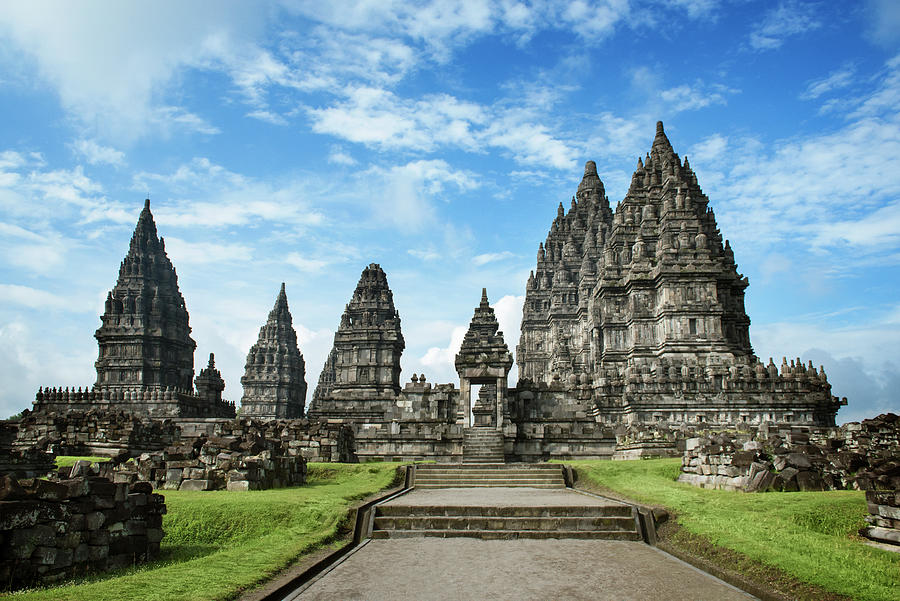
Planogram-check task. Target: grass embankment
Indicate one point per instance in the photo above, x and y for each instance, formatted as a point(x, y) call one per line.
point(220, 543)
point(810, 536)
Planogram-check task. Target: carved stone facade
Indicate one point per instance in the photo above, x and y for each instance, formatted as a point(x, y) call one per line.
point(275, 375)
point(146, 353)
point(145, 340)
point(363, 368)
point(645, 307)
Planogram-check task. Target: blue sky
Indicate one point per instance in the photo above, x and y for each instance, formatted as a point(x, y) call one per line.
point(299, 141)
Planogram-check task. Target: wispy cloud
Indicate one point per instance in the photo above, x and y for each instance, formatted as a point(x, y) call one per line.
point(835, 80)
point(691, 97)
point(97, 154)
point(486, 258)
point(379, 118)
point(789, 18)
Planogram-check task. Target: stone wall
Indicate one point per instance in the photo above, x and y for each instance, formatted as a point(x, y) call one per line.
point(884, 516)
point(94, 432)
point(21, 463)
point(313, 440)
point(226, 462)
point(862, 456)
point(51, 531)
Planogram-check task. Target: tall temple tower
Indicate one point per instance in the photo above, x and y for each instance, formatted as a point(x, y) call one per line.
point(554, 337)
point(145, 340)
point(364, 364)
point(275, 374)
point(642, 310)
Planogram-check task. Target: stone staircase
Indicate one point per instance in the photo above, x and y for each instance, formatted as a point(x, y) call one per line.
point(482, 445)
point(499, 521)
point(486, 475)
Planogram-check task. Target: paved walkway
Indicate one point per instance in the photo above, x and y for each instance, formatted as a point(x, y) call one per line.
point(439, 569)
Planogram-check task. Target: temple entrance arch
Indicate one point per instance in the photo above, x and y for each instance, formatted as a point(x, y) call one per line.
point(483, 359)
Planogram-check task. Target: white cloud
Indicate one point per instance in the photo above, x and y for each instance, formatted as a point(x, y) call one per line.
point(509, 315)
point(26, 353)
point(229, 198)
point(831, 190)
point(835, 80)
point(183, 252)
point(710, 149)
point(486, 258)
point(692, 97)
point(429, 254)
point(408, 191)
point(789, 18)
point(305, 264)
point(31, 297)
point(268, 117)
point(338, 156)
point(118, 94)
point(96, 154)
point(377, 117)
point(441, 359)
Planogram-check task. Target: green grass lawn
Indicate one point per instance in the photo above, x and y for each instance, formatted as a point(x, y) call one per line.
point(809, 535)
point(69, 460)
point(220, 543)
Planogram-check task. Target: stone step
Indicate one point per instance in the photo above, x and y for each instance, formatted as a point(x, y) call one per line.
point(556, 511)
point(492, 477)
point(506, 466)
point(566, 524)
point(489, 472)
point(509, 534)
point(499, 482)
point(491, 485)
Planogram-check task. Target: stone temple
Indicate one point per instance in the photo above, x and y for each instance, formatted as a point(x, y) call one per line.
point(275, 375)
point(633, 328)
point(361, 376)
point(644, 307)
point(146, 353)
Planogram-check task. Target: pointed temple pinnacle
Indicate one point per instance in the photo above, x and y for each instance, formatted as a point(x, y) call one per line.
point(484, 298)
point(659, 128)
point(590, 168)
point(281, 301)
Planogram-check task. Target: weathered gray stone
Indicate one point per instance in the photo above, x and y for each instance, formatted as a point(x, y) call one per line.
point(274, 378)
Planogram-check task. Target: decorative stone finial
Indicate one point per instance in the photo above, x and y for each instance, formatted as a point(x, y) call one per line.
point(147, 204)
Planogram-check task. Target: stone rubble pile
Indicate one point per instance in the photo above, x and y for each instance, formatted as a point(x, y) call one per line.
point(94, 432)
point(311, 440)
point(863, 456)
point(50, 531)
point(222, 462)
point(884, 516)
